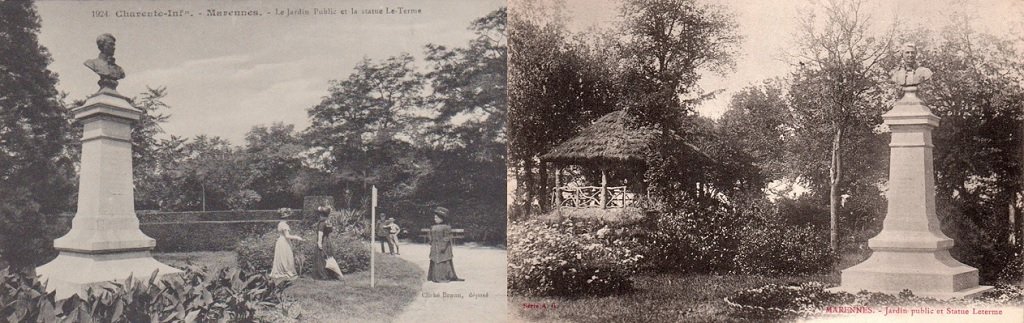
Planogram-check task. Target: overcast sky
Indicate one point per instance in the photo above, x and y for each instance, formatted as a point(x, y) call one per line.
point(768, 28)
point(227, 74)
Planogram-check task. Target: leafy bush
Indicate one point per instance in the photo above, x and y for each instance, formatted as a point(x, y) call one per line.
point(692, 239)
point(195, 296)
point(1014, 270)
point(774, 249)
point(568, 259)
point(256, 253)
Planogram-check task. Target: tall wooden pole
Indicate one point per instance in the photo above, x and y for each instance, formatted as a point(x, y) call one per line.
point(558, 186)
point(604, 188)
point(373, 230)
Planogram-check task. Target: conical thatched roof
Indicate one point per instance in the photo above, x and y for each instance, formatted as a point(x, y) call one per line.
point(612, 138)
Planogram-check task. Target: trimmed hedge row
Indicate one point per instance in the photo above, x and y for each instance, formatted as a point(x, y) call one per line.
point(202, 236)
point(196, 231)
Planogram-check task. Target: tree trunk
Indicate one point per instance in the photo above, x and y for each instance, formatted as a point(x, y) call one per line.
point(835, 175)
point(604, 188)
point(528, 183)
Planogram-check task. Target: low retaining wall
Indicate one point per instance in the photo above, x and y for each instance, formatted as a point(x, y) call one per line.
point(200, 231)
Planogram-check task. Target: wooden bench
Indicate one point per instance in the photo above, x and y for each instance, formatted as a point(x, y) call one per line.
point(456, 235)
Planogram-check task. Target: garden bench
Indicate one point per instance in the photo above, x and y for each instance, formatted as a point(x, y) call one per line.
point(456, 235)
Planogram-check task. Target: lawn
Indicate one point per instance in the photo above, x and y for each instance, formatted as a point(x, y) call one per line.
point(656, 298)
point(348, 300)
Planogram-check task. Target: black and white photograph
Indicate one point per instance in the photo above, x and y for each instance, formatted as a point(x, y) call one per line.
point(752, 161)
point(253, 161)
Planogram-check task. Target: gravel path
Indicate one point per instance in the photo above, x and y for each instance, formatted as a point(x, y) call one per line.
point(481, 298)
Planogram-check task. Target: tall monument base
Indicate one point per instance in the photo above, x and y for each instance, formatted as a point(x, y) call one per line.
point(105, 243)
point(928, 274)
point(911, 252)
point(74, 273)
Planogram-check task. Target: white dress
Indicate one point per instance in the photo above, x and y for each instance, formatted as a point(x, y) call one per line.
point(284, 258)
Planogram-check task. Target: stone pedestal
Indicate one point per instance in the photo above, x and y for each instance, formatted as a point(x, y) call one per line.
point(105, 242)
point(911, 252)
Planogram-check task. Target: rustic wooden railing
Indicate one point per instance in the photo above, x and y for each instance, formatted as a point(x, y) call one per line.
point(591, 197)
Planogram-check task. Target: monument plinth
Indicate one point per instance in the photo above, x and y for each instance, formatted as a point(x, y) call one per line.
point(105, 243)
point(911, 252)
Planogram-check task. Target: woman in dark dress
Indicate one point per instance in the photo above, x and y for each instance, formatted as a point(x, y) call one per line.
point(323, 245)
point(441, 269)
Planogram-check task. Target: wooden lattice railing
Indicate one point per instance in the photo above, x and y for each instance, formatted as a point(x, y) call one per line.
point(590, 197)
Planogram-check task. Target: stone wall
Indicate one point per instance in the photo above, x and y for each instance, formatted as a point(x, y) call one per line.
point(199, 231)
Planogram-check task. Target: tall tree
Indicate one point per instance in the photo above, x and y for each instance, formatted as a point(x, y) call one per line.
point(35, 169)
point(145, 146)
point(557, 86)
point(467, 159)
point(273, 156)
point(759, 123)
point(364, 126)
point(977, 92)
point(668, 44)
point(471, 81)
point(837, 90)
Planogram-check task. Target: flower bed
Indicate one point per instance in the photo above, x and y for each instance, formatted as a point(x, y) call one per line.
point(568, 259)
point(807, 299)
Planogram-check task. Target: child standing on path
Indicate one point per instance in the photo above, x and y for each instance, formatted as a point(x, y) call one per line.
point(393, 230)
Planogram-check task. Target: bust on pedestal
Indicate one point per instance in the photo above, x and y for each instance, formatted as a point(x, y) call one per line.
point(105, 243)
point(911, 252)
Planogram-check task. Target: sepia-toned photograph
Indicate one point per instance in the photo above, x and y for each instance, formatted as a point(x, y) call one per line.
point(253, 161)
point(752, 161)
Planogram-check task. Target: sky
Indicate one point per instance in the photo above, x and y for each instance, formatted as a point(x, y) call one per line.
point(226, 74)
point(768, 28)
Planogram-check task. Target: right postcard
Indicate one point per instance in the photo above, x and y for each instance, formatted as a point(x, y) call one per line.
point(748, 161)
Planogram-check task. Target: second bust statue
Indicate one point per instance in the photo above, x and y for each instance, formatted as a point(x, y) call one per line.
point(104, 64)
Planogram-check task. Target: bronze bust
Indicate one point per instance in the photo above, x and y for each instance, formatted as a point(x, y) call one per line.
point(909, 75)
point(104, 65)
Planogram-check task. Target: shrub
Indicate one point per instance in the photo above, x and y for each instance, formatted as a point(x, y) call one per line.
point(256, 253)
point(774, 249)
point(195, 296)
point(692, 239)
point(566, 259)
point(1014, 270)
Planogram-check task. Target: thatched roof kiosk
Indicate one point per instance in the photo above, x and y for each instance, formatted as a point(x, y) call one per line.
point(612, 141)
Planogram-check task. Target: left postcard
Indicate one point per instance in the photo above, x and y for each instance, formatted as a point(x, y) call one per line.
point(253, 161)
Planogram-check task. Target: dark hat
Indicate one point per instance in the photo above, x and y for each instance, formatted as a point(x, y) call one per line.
point(441, 211)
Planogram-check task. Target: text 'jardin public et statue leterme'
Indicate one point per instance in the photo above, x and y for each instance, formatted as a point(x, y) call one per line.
point(104, 65)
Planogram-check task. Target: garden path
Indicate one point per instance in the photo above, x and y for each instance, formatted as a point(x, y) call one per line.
point(483, 268)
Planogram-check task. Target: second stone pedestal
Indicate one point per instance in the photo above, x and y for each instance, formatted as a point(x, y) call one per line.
point(911, 252)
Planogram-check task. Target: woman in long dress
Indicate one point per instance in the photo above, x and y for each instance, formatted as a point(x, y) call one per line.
point(441, 269)
point(284, 257)
point(323, 246)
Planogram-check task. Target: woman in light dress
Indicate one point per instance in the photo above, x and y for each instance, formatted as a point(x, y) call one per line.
point(284, 257)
